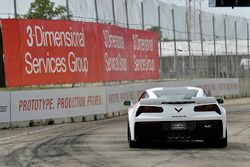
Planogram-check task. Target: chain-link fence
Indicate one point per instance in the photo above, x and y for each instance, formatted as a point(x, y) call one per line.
point(192, 43)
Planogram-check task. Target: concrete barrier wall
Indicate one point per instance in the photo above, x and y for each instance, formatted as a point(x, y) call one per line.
point(244, 87)
point(5, 108)
point(84, 103)
point(115, 95)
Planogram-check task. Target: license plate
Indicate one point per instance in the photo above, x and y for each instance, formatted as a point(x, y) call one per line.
point(178, 126)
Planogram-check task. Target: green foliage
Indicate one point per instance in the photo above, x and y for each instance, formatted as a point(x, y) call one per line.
point(156, 29)
point(44, 9)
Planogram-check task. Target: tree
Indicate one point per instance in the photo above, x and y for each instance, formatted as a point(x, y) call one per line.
point(44, 9)
point(156, 29)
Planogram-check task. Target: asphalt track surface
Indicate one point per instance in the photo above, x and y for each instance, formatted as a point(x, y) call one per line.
point(104, 143)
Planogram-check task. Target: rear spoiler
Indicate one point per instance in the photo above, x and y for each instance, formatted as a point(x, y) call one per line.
point(160, 101)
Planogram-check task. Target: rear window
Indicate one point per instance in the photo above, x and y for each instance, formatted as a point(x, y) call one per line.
point(176, 94)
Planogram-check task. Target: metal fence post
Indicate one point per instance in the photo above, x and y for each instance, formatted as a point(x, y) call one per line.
point(236, 48)
point(225, 35)
point(126, 8)
point(159, 38)
point(248, 49)
point(67, 7)
point(142, 15)
point(175, 48)
point(189, 47)
point(202, 53)
point(10, 125)
point(215, 56)
point(96, 12)
point(113, 11)
point(225, 38)
point(15, 9)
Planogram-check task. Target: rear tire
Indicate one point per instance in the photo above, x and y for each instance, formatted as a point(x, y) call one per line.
point(222, 143)
point(132, 144)
point(219, 143)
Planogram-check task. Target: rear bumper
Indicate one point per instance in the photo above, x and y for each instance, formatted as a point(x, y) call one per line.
point(194, 130)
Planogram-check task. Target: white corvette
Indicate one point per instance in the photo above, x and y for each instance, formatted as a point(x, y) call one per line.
point(177, 113)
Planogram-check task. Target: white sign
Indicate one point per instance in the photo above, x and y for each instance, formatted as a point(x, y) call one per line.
point(57, 103)
point(4, 107)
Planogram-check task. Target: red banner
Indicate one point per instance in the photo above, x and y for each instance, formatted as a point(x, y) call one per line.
point(38, 52)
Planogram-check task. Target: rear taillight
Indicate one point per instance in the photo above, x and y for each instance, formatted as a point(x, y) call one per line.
point(148, 109)
point(207, 108)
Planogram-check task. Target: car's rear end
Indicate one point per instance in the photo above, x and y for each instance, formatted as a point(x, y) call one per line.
point(199, 118)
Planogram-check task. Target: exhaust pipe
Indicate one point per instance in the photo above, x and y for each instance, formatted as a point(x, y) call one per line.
point(176, 136)
point(187, 136)
point(182, 136)
point(170, 136)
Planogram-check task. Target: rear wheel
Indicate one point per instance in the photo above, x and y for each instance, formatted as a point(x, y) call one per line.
point(220, 143)
point(132, 144)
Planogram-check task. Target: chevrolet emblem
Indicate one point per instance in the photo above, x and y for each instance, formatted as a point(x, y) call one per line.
point(178, 110)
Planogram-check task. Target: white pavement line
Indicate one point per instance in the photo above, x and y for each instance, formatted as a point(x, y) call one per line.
point(30, 133)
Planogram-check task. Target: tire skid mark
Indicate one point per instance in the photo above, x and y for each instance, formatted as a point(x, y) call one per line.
point(165, 161)
point(236, 155)
point(34, 149)
point(238, 133)
point(58, 145)
point(16, 155)
point(97, 159)
point(30, 133)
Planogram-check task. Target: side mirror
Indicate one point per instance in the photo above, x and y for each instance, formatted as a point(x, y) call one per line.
point(127, 103)
point(220, 101)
